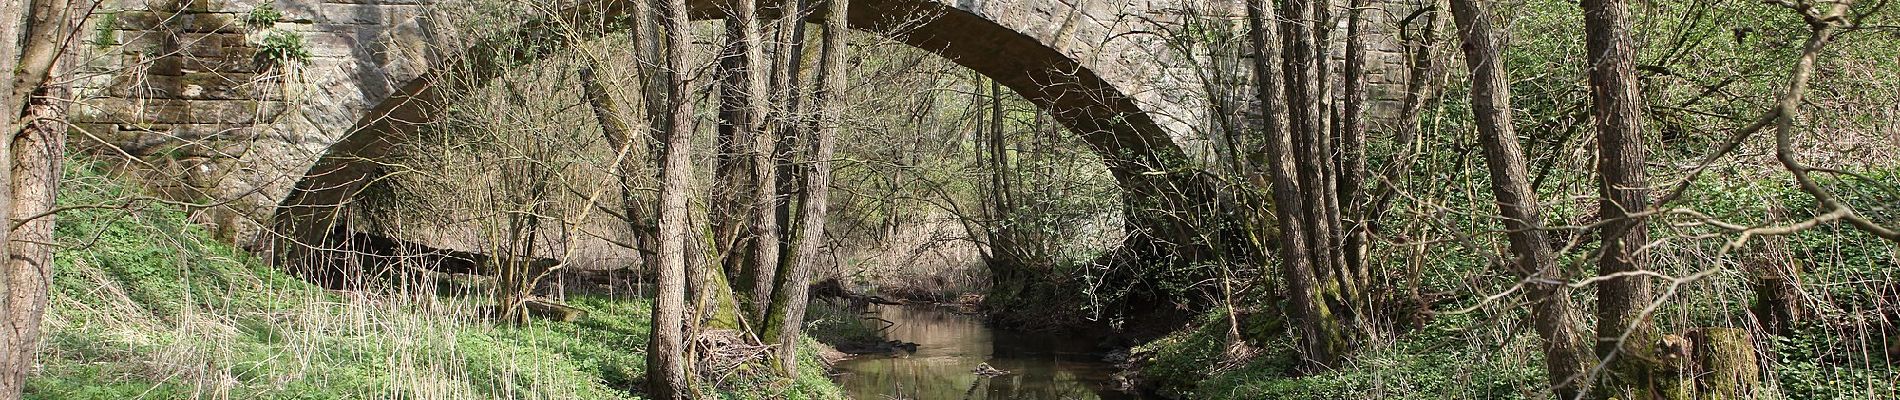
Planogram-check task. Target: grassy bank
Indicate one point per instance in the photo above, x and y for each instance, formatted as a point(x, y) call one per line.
point(147, 305)
point(1844, 348)
point(1459, 358)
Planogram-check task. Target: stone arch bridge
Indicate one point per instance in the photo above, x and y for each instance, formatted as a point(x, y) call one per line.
point(173, 82)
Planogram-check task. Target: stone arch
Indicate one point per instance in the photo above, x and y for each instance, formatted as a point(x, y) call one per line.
point(1072, 59)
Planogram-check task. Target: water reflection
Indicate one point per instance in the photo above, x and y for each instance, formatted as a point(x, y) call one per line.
point(1042, 367)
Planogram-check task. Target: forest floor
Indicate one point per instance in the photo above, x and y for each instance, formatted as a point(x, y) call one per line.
point(1847, 348)
point(148, 305)
point(1458, 356)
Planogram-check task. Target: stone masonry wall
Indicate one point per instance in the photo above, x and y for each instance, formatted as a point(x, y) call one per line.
point(178, 85)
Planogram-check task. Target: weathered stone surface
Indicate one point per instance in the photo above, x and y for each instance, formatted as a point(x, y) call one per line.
point(194, 22)
point(175, 111)
point(189, 86)
point(367, 14)
point(194, 85)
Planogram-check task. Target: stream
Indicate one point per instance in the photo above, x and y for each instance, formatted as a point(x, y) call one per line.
point(949, 345)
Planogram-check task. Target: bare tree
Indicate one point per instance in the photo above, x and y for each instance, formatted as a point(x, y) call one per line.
point(1623, 335)
point(764, 227)
point(1352, 145)
point(33, 151)
point(1532, 260)
point(21, 290)
point(811, 235)
point(732, 172)
point(1321, 342)
point(667, 372)
point(1307, 72)
point(787, 125)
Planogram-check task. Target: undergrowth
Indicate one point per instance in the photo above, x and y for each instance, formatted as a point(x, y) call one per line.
point(145, 305)
point(1843, 350)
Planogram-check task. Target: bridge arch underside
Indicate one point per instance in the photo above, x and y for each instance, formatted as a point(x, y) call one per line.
point(1155, 175)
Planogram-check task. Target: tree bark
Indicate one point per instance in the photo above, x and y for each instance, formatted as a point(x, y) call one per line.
point(31, 157)
point(667, 372)
point(764, 229)
point(1320, 340)
point(1729, 368)
point(1624, 188)
point(829, 101)
point(642, 210)
point(1306, 73)
point(1517, 203)
point(47, 26)
point(732, 172)
point(789, 125)
point(21, 334)
point(38, 153)
point(1352, 146)
point(1005, 257)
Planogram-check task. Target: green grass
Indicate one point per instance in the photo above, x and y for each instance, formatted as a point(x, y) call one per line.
point(1451, 358)
point(1491, 353)
point(145, 305)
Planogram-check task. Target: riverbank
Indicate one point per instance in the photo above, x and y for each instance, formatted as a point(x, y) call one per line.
point(147, 305)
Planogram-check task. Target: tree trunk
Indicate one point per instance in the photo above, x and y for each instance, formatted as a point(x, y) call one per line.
point(789, 126)
point(31, 158)
point(1352, 146)
point(650, 50)
point(1621, 158)
point(1320, 340)
point(1777, 305)
point(1517, 203)
point(515, 266)
point(19, 338)
point(732, 172)
point(1420, 85)
point(666, 364)
point(1729, 369)
point(764, 229)
point(1005, 256)
point(1306, 75)
point(829, 101)
point(715, 306)
point(38, 153)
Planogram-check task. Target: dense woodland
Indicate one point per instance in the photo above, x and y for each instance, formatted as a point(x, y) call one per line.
point(1605, 199)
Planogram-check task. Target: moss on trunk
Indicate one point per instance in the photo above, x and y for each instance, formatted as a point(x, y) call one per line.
point(1730, 369)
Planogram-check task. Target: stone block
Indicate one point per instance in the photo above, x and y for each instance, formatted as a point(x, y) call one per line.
point(130, 111)
point(330, 43)
point(230, 64)
point(175, 111)
point(154, 65)
point(168, 5)
point(213, 45)
point(82, 133)
point(229, 6)
point(189, 86)
point(144, 42)
point(299, 11)
point(214, 132)
point(143, 20)
point(183, 140)
point(366, 14)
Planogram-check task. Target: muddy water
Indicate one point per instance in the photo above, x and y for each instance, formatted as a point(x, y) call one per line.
point(949, 345)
